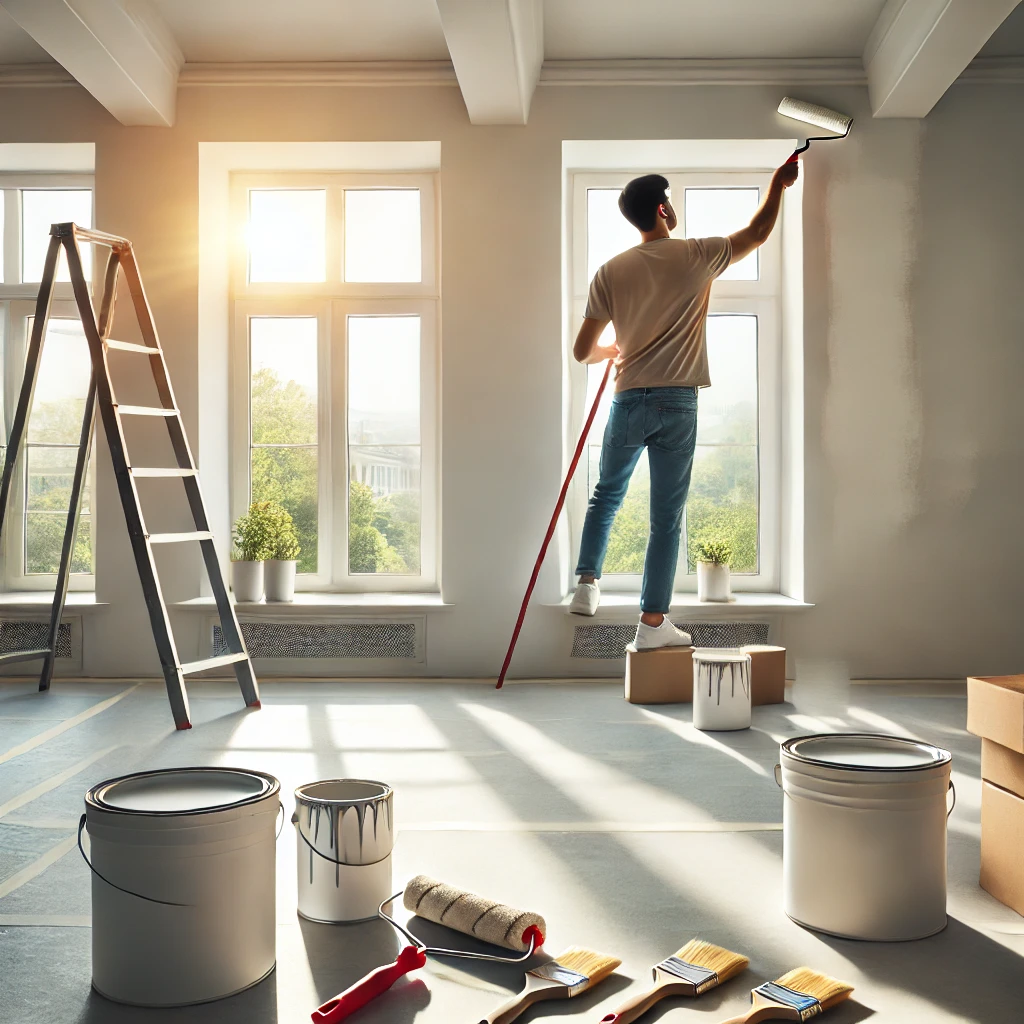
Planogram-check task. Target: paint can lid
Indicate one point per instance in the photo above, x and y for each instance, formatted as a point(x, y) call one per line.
point(866, 752)
point(182, 791)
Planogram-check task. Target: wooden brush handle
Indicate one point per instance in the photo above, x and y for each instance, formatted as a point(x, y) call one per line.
point(637, 1006)
point(756, 1014)
point(536, 989)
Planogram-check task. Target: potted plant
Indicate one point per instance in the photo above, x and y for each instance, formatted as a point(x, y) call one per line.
point(252, 537)
point(279, 570)
point(713, 557)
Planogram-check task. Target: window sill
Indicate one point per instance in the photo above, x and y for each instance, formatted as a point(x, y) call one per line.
point(35, 601)
point(321, 603)
point(615, 607)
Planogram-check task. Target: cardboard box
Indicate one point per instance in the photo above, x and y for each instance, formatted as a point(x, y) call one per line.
point(1002, 839)
point(663, 676)
point(995, 709)
point(767, 673)
point(1002, 767)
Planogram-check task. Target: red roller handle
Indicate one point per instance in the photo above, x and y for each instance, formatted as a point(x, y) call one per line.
point(554, 522)
point(794, 158)
point(368, 988)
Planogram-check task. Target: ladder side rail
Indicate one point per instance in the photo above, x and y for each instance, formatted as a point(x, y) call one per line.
point(60, 592)
point(144, 560)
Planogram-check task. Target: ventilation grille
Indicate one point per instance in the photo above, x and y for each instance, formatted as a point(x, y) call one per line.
point(609, 640)
point(29, 636)
point(325, 640)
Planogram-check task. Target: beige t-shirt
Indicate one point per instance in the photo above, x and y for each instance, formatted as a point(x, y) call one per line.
point(656, 296)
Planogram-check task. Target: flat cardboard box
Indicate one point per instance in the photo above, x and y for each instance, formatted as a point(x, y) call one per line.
point(1002, 839)
point(1002, 767)
point(767, 673)
point(663, 676)
point(995, 709)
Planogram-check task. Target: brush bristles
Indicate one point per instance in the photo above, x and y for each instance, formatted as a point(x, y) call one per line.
point(593, 966)
point(826, 990)
point(723, 962)
point(820, 117)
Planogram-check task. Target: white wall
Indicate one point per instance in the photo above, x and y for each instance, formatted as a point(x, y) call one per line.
point(913, 359)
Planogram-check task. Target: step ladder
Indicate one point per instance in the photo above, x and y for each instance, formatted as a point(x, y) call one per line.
point(101, 396)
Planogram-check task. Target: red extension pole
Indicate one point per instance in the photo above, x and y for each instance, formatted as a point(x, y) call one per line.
point(554, 520)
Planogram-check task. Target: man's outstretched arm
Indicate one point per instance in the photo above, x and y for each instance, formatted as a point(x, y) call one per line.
point(756, 233)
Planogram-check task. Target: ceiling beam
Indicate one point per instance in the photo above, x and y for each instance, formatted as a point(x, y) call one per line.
point(497, 47)
point(918, 48)
point(120, 50)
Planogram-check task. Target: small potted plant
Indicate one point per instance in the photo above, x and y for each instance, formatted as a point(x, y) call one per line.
point(252, 537)
point(713, 557)
point(279, 571)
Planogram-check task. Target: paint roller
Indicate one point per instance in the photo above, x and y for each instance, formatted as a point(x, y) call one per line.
point(496, 923)
point(820, 117)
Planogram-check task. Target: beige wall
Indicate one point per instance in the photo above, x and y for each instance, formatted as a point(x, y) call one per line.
point(913, 353)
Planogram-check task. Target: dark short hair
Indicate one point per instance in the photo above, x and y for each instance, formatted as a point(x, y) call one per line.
point(640, 199)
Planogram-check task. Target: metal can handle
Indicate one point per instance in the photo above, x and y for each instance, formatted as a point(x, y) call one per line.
point(952, 789)
point(778, 775)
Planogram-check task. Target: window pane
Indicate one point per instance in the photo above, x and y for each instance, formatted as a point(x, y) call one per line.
point(382, 234)
point(608, 232)
point(384, 510)
point(728, 409)
point(39, 209)
point(283, 364)
point(723, 502)
point(289, 477)
point(62, 385)
point(384, 379)
point(51, 472)
point(627, 542)
point(44, 537)
point(287, 234)
point(711, 212)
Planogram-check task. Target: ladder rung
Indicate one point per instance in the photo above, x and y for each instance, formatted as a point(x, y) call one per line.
point(144, 410)
point(12, 656)
point(149, 471)
point(179, 538)
point(191, 667)
point(131, 346)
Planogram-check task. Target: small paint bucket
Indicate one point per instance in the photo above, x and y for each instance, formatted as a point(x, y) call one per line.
point(344, 834)
point(864, 835)
point(183, 885)
point(721, 689)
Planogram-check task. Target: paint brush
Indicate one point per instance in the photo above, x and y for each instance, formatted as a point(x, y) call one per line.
point(798, 995)
point(569, 974)
point(691, 971)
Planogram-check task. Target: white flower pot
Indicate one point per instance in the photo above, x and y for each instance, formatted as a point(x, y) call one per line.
point(280, 579)
point(247, 581)
point(713, 582)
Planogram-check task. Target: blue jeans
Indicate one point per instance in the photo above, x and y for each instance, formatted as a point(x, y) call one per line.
point(664, 421)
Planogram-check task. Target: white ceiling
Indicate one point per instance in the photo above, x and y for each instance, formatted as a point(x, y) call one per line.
point(16, 45)
point(305, 30)
point(1008, 39)
point(590, 29)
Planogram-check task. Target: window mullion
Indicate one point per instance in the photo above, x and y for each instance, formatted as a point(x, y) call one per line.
point(335, 234)
point(12, 236)
point(334, 423)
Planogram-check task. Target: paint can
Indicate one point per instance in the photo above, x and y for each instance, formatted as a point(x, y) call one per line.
point(344, 834)
point(183, 884)
point(864, 835)
point(721, 689)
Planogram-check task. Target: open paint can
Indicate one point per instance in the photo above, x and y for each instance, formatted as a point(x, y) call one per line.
point(864, 835)
point(344, 833)
point(183, 884)
point(721, 689)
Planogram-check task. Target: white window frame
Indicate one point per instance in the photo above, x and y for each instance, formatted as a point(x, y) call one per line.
point(332, 302)
point(763, 298)
point(17, 304)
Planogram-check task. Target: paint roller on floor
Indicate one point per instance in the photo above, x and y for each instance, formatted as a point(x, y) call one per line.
point(820, 117)
point(497, 923)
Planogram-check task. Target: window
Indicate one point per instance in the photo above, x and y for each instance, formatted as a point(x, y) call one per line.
point(334, 411)
point(734, 490)
point(37, 514)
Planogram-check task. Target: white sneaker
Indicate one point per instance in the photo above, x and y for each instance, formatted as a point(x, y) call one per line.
point(649, 638)
point(586, 599)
